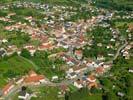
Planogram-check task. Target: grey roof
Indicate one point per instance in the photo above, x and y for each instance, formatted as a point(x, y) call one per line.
point(2, 52)
point(22, 93)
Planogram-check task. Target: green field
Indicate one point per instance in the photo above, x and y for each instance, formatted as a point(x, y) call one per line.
point(115, 4)
point(43, 93)
point(12, 67)
point(84, 95)
point(51, 93)
point(60, 2)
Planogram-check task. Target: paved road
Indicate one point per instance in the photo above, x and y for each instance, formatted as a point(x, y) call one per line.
point(119, 50)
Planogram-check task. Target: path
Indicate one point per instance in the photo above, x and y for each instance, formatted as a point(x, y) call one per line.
point(33, 64)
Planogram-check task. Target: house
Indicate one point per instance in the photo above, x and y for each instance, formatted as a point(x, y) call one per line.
point(91, 65)
point(78, 84)
point(100, 70)
point(79, 54)
point(91, 81)
point(7, 88)
point(31, 49)
point(55, 78)
point(70, 62)
point(130, 70)
point(71, 74)
point(23, 95)
point(4, 40)
point(11, 49)
point(130, 27)
point(45, 46)
point(100, 58)
point(64, 88)
point(120, 94)
point(34, 78)
point(2, 52)
point(19, 80)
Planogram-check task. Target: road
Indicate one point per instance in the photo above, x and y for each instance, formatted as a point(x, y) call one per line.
point(119, 50)
point(117, 53)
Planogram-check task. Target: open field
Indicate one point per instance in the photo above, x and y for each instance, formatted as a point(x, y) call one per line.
point(115, 4)
point(12, 67)
point(43, 93)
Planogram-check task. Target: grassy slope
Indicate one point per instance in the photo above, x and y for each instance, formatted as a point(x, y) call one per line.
point(43, 93)
point(15, 64)
point(115, 4)
point(66, 2)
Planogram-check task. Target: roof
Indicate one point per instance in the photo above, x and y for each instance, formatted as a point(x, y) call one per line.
point(100, 69)
point(2, 52)
point(31, 79)
point(78, 52)
point(22, 93)
point(32, 73)
point(64, 87)
point(47, 46)
point(130, 27)
point(6, 87)
point(91, 78)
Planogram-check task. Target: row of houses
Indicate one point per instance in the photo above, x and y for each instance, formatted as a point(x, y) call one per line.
point(31, 79)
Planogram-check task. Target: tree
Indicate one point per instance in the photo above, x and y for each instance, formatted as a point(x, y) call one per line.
point(25, 53)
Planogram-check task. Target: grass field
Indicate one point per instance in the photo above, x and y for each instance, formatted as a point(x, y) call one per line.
point(43, 93)
point(120, 24)
point(12, 67)
point(115, 4)
point(84, 95)
point(15, 62)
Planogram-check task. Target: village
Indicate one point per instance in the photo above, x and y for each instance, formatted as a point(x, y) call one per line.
point(61, 39)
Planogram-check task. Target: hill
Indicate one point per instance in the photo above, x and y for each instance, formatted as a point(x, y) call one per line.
point(115, 4)
point(60, 2)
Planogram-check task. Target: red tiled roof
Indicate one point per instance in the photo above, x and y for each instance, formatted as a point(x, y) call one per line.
point(45, 46)
point(6, 88)
point(31, 79)
point(32, 73)
point(64, 87)
point(91, 77)
point(100, 69)
point(78, 51)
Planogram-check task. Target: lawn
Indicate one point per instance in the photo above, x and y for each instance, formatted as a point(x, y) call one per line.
point(115, 4)
point(12, 67)
point(51, 93)
point(43, 93)
point(122, 23)
point(15, 62)
point(84, 95)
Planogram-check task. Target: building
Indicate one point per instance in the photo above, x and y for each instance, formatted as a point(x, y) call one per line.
point(79, 54)
point(100, 70)
point(34, 78)
point(7, 88)
point(2, 52)
point(78, 84)
point(91, 81)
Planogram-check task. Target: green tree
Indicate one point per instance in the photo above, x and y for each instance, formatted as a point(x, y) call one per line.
point(25, 53)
